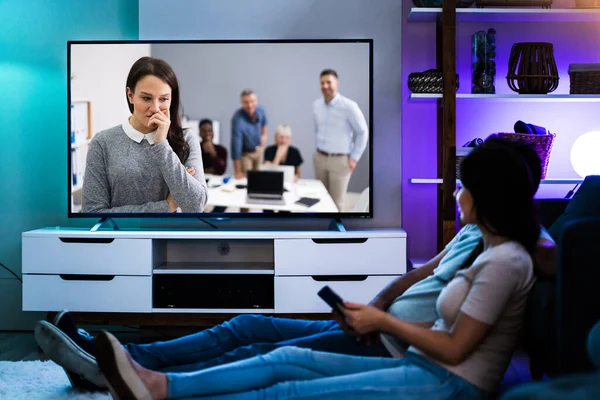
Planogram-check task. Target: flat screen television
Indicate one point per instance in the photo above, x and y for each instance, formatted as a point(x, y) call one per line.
point(236, 128)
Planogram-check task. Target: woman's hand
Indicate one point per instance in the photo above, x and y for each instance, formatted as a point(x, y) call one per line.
point(362, 318)
point(191, 171)
point(172, 205)
point(162, 122)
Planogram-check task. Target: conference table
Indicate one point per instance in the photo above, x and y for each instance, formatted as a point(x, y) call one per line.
point(228, 195)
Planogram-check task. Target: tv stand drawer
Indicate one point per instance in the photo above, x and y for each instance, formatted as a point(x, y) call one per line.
point(298, 294)
point(87, 255)
point(91, 293)
point(358, 256)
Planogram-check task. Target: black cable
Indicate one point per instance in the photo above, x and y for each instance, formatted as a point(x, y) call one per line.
point(571, 192)
point(207, 223)
point(6, 268)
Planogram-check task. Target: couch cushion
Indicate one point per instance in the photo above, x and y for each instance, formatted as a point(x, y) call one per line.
point(585, 203)
point(593, 345)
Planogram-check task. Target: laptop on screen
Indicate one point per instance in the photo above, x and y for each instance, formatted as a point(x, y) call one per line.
point(265, 187)
point(288, 171)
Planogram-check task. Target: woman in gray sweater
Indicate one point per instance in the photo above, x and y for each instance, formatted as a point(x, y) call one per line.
point(146, 164)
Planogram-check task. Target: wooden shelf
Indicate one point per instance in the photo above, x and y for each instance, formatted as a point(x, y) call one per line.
point(418, 14)
point(567, 181)
point(515, 97)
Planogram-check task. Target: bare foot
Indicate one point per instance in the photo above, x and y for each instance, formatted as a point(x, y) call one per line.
point(156, 382)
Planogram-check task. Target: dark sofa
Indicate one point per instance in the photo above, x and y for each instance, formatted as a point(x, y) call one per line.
point(562, 311)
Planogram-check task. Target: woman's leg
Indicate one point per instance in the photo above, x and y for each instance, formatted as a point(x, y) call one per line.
point(334, 341)
point(282, 365)
point(208, 344)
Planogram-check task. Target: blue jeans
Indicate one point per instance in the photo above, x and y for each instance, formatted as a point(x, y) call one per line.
point(292, 372)
point(246, 336)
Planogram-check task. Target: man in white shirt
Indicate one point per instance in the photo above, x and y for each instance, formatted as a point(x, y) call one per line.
point(341, 135)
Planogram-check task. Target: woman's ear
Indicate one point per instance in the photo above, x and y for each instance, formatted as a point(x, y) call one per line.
point(129, 95)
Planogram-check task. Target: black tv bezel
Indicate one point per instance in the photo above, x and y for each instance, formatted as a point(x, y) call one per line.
point(337, 215)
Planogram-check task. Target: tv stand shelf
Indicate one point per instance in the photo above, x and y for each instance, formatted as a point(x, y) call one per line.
point(204, 272)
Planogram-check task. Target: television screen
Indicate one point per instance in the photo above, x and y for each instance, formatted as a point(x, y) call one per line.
point(220, 128)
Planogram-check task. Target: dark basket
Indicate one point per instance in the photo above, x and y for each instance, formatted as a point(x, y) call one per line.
point(514, 3)
point(430, 81)
point(542, 144)
point(584, 81)
point(532, 68)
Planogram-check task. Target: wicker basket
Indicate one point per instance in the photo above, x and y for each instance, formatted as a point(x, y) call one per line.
point(514, 3)
point(532, 69)
point(461, 153)
point(542, 144)
point(430, 81)
point(585, 78)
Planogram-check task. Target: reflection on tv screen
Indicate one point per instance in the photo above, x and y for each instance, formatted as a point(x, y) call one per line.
point(220, 128)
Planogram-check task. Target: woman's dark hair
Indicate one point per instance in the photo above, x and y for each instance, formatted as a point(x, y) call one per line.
point(163, 71)
point(502, 178)
point(205, 121)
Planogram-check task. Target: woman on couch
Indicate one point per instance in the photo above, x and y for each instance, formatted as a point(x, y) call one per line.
point(461, 355)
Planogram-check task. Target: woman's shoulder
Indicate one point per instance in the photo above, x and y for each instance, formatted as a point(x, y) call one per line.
point(509, 256)
point(109, 134)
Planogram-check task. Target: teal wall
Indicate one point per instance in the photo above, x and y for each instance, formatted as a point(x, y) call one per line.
point(33, 120)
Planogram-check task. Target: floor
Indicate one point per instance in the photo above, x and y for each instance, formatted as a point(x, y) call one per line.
point(18, 346)
point(21, 346)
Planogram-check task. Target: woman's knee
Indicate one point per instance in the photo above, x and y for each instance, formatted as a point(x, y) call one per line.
point(287, 353)
point(247, 320)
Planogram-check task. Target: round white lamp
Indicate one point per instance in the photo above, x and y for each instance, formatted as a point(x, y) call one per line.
point(585, 154)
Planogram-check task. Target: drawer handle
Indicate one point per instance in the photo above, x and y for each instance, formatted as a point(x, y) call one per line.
point(337, 241)
point(334, 278)
point(79, 277)
point(86, 240)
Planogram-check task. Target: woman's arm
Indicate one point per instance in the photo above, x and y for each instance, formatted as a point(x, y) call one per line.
point(448, 347)
point(96, 189)
point(492, 288)
point(189, 192)
point(220, 161)
point(297, 173)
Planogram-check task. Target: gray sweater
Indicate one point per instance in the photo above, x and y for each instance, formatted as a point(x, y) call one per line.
point(124, 176)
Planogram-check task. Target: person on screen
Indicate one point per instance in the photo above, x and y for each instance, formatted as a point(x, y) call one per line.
point(214, 156)
point(463, 345)
point(146, 164)
point(341, 136)
point(248, 134)
point(282, 153)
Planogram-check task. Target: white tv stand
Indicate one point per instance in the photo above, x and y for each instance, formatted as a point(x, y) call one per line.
point(127, 271)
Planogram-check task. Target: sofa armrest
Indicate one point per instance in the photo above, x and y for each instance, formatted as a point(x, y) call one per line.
point(578, 285)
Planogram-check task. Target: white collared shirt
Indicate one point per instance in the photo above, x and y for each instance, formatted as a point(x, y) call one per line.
point(136, 135)
point(340, 126)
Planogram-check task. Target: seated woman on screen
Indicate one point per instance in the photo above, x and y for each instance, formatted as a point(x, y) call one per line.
point(461, 355)
point(146, 164)
point(282, 153)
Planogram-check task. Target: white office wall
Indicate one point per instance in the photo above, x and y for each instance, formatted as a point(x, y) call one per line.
point(380, 20)
point(98, 74)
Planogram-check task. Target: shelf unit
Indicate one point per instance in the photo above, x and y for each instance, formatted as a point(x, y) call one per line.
point(445, 20)
point(514, 97)
point(508, 15)
point(566, 181)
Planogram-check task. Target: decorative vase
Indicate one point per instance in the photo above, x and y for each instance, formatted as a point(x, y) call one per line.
point(483, 64)
point(532, 69)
